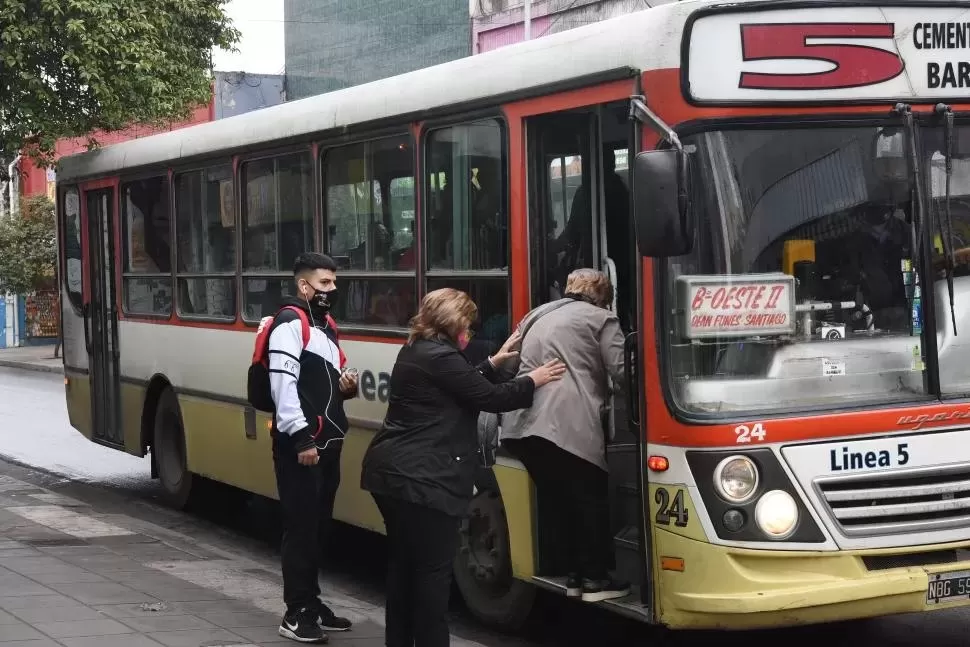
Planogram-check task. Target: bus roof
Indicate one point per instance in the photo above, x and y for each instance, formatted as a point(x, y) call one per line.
point(647, 39)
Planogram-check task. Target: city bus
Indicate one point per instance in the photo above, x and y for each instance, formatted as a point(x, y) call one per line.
point(780, 192)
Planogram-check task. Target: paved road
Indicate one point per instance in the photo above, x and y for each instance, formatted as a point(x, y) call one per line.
point(35, 433)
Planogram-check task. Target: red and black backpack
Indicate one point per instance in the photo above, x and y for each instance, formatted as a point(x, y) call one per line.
point(258, 388)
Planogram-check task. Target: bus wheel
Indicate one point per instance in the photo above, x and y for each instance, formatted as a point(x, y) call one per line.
point(483, 566)
point(168, 446)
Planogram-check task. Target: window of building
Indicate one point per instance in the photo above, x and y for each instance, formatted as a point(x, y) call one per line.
point(71, 235)
point(277, 227)
point(467, 220)
point(147, 247)
point(369, 201)
point(205, 225)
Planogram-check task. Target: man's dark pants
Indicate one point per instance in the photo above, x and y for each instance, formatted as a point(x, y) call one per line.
point(306, 498)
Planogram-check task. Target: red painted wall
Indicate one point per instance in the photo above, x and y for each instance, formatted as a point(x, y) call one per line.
point(33, 180)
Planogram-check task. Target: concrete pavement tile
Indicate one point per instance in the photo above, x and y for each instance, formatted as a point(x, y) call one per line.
point(17, 602)
point(67, 577)
point(18, 631)
point(30, 565)
point(20, 552)
point(148, 624)
point(363, 630)
point(13, 584)
point(41, 642)
point(196, 637)
point(102, 593)
point(121, 640)
point(58, 614)
point(102, 564)
point(142, 610)
point(184, 593)
point(199, 607)
point(264, 634)
point(86, 549)
point(6, 618)
point(78, 628)
point(231, 620)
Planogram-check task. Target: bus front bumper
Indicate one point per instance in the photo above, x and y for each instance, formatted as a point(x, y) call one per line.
point(729, 588)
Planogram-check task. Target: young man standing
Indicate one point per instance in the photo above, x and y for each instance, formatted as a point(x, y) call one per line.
point(308, 389)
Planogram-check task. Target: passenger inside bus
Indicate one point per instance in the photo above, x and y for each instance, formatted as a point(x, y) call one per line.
point(574, 244)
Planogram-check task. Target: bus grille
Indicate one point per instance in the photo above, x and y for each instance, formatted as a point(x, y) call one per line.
point(896, 502)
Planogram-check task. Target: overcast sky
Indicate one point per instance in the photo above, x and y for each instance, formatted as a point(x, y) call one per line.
point(261, 45)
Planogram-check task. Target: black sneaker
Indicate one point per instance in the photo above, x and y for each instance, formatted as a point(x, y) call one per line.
point(330, 621)
point(608, 589)
point(574, 586)
point(302, 627)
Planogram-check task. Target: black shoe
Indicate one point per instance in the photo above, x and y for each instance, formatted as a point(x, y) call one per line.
point(330, 621)
point(574, 586)
point(302, 627)
point(608, 589)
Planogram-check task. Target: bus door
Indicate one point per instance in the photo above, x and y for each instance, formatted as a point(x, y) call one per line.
point(101, 318)
point(579, 213)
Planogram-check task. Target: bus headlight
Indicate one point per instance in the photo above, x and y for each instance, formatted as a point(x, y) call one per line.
point(736, 478)
point(776, 514)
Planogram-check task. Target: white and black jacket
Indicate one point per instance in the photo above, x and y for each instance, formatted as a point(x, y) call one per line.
point(305, 381)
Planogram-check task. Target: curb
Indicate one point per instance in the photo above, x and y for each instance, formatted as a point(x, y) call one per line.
point(28, 366)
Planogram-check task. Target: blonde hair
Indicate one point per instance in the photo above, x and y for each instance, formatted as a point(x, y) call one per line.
point(592, 284)
point(443, 312)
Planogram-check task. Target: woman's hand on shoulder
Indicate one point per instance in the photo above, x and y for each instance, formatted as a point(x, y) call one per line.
point(551, 371)
point(508, 351)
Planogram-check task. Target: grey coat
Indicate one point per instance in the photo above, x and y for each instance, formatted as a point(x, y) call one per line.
point(589, 340)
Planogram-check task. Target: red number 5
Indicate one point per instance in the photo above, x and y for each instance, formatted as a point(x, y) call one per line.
point(855, 65)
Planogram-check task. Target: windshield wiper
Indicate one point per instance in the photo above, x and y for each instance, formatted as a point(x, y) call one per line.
point(905, 111)
point(948, 126)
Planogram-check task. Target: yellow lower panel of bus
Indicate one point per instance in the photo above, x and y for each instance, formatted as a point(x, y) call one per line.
point(218, 448)
point(77, 388)
point(731, 588)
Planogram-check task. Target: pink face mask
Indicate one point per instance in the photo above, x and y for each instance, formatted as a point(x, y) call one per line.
point(463, 340)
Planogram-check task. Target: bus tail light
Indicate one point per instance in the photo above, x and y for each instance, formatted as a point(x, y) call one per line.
point(658, 463)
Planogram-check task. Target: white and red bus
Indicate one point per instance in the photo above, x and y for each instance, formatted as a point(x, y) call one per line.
point(791, 443)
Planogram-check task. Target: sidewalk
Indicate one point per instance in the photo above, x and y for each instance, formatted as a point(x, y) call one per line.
point(73, 575)
point(32, 358)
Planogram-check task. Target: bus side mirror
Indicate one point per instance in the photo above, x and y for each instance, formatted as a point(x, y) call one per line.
point(661, 203)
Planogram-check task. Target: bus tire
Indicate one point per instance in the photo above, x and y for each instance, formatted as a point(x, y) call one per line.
point(168, 450)
point(483, 566)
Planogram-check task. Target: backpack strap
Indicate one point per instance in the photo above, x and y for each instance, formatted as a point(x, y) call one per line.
point(304, 322)
point(336, 333)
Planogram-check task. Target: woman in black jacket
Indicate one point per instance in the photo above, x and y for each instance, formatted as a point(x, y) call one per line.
point(420, 468)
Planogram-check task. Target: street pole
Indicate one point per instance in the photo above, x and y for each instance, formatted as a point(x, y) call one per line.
point(528, 19)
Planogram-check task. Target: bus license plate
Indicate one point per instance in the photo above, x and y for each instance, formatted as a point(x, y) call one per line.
point(948, 587)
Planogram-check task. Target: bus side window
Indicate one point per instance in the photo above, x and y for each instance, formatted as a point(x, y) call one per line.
point(369, 201)
point(466, 218)
point(148, 238)
point(277, 226)
point(205, 225)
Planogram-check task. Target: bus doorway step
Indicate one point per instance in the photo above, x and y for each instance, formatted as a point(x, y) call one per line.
point(630, 606)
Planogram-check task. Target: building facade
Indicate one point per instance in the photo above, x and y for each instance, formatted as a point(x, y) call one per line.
point(496, 23)
point(334, 44)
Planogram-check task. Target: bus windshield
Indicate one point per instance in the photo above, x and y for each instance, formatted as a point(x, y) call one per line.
point(803, 289)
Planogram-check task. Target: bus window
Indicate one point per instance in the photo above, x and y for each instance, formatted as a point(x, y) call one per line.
point(147, 249)
point(205, 224)
point(467, 220)
point(71, 228)
point(369, 200)
point(277, 227)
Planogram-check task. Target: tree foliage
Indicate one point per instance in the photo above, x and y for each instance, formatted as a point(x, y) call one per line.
point(71, 67)
point(28, 247)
